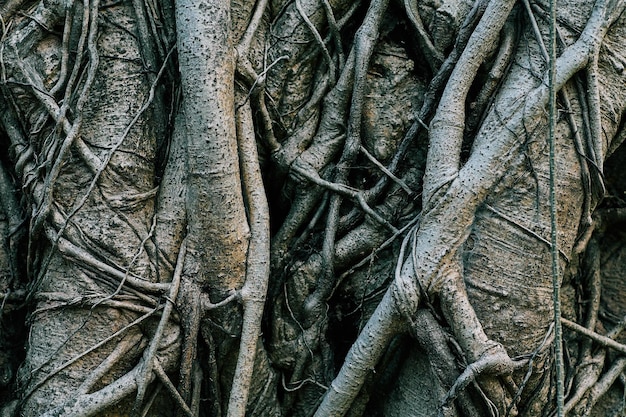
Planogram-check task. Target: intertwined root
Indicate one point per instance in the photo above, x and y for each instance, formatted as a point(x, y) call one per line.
point(320, 146)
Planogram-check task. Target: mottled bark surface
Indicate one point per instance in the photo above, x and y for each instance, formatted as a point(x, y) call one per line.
point(308, 207)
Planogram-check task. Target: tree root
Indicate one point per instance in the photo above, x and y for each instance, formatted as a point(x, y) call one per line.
point(254, 291)
point(494, 362)
point(433, 339)
point(165, 380)
point(88, 405)
point(598, 338)
point(448, 123)
point(150, 353)
point(433, 56)
point(332, 68)
point(502, 62)
point(361, 359)
point(75, 359)
point(601, 387)
point(431, 268)
point(365, 40)
point(437, 271)
point(347, 191)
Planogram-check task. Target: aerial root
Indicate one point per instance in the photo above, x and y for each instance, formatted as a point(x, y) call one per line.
point(602, 340)
point(165, 380)
point(150, 353)
point(343, 190)
point(76, 358)
point(117, 354)
point(387, 172)
point(494, 361)
point(602, 386)
point(332, 68)
point(254, 290)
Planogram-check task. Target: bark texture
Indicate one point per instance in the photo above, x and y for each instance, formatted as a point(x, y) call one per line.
point(308, 207)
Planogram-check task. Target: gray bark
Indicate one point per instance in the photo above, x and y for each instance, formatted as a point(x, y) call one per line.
point(309, 207)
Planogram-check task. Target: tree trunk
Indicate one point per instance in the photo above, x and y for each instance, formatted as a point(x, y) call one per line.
point(299, 208)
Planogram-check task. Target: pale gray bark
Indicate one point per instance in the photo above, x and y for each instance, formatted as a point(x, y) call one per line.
point(308, 207)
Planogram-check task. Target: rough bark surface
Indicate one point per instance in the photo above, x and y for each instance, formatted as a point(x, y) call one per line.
point(309, 208)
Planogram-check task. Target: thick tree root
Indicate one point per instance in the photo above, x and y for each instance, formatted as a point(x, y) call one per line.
point(361, 359)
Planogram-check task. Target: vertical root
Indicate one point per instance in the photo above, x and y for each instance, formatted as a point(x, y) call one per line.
point(447, 126)
point(150, 354)
point(254, 289)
